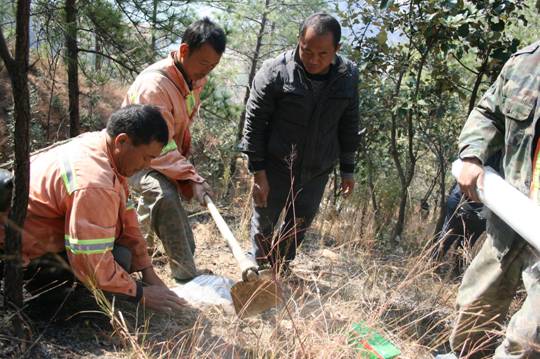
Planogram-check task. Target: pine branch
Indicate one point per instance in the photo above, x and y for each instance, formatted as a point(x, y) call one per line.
point(119, 62)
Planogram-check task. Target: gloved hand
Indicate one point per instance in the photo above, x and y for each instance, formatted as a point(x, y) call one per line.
point(6, 186)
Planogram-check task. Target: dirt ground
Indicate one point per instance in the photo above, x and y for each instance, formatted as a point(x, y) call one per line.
point(336, 283)
point(344, 274)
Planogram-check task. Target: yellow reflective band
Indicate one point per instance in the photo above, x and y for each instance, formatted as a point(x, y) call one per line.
point(89, 251)
point(89, 241)
point(88, 246)
point(129, 204)
point(133, 98)
point(68, 174)
point(536, 180)
point(170, 146)
point(190, 103)
point(535, 185)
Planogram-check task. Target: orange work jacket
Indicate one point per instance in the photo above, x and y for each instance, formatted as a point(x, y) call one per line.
point(79, 203)
point(163, 85)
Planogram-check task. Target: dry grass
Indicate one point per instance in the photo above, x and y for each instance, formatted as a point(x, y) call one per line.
point(341, 278)
point(345, 275)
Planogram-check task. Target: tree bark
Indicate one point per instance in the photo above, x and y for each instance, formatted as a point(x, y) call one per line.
point(478, 81)
point(394, 152)
point(253, 68)
point(72, 67)
point(406, 174)
point(51, 94)
point(153, 30)
point(18, 72)
point(98, 60)
point(442, 197)
point(252, 71)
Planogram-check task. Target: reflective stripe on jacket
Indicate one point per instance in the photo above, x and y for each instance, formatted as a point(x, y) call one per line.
point(79, 203)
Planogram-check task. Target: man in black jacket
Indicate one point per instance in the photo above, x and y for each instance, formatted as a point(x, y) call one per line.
point(301, 117)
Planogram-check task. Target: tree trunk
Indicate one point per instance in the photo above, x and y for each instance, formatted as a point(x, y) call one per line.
point(253, 68)
point(373, 193)
point(18, 72)
point(425, 198)
point(371, 185)
point(252, 71)
point(442, 197)
point(478, 81)
point(400, 225)
point(406, 177)
point(72, 67)
point(153, 40)
point(51, 95)
point(394, 152)
point(98, 60)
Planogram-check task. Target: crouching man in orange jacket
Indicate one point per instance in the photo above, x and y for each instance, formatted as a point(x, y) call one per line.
point(79, 208)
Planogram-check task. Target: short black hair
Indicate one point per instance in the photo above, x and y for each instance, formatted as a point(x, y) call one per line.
point(205, 31)
point(142, 123)
point(322, 23)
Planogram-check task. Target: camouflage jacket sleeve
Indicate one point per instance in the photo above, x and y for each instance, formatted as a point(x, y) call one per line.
point(483, 133)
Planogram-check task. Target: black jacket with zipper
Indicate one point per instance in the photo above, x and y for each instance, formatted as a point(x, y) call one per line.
point(285, 121)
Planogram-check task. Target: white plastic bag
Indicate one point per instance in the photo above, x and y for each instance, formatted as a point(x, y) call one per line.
point(207, 290)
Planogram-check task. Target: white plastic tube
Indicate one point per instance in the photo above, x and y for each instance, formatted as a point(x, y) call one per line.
point(509, 204)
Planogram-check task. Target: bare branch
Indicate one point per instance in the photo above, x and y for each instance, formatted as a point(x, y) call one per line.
point(465, 66)
point(119, 62)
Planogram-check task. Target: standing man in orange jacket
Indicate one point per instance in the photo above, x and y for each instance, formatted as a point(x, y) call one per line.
point(79, 208)
point(174, 85)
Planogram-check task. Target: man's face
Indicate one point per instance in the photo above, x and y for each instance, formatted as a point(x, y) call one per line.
point(317, 51)
point(199, 62)
point(129, 158)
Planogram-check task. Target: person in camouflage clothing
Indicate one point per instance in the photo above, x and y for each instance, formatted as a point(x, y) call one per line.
point(505, 119)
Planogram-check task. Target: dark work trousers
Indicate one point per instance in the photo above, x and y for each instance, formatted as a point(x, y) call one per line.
point(51, 274)
point(300, 201)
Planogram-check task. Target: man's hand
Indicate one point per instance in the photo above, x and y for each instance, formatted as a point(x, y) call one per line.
point(471, 177)
point(261, 188)
point(149, 277)
point(347, 186)
point(200, 190)
point(162, 299)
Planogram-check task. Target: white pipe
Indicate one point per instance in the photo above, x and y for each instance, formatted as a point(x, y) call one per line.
point(513, 207)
